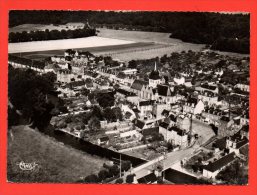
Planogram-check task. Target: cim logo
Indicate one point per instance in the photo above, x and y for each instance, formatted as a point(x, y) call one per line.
point(27, 166)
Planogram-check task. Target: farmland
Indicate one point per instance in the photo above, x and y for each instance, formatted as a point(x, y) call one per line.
point(56, 162)
point(120, 44)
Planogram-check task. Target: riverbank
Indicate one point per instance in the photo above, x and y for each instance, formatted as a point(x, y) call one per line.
point(56, 162)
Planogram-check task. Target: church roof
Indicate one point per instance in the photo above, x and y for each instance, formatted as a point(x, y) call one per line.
point(138, 85)
point(154, 75)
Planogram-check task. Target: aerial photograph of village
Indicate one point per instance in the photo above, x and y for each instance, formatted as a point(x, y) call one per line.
point(128, 97)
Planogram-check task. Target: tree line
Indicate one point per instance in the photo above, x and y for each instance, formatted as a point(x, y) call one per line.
point(25, 36)
point(227, 32)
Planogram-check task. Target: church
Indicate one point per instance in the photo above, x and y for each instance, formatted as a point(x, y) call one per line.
point(154, 89)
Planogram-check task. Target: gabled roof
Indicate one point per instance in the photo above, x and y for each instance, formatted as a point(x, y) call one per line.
point(163, 90)
point(225, 118)
point(125, 92)
point(150, 131)
point(121, 75)
point(103, 139)
point(209, 87)
point(221, 143)
point(138, 85)
point(192, 101)
point(146, 103)
point(165, 112)
point(139, 124)
point(164, 125)
point(173, 118)
point(178, 130)
point(245, 128)
point(218, 164)
point(150, 178)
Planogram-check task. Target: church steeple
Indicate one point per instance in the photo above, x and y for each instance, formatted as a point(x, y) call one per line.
point(154, 77)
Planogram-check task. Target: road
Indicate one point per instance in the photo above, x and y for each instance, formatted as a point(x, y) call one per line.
point(169, 160)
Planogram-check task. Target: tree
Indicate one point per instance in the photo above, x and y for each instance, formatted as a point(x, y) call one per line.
point(114, 170)
point(27, 92)
point(102, 175)
point(125, 165)
point(132, 64)
point(130, 178)
point(109, 114)
point(105, 100)
point(234, 174)
point(94, 124)
point(117, 112)
point(97, 112)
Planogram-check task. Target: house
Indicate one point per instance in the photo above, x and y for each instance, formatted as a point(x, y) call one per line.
point(130, 71)
point(193, 106)
point(64, 76)
point(145, 107)
point(165, 113)
point(165, 94)
point(173, 119)
point(179, 81)
point(103, 141)
point(208, 87)
point(244, 119)
point(137, 86)
point(242, 87)
point(245, 131)
point(235, 142)
point(183, 122)
point(148, 179)
point(122, 93)
point(209, 97)
point(158, 110)
point(174, 135)
point(212, 115)
point(213, 168)
point(140, 124)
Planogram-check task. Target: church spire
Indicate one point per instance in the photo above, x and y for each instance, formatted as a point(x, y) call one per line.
point(155, 67)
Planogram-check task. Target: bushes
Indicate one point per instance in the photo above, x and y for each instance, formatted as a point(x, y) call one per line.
point(130, 178)
point(119, 181)
point(91, 179)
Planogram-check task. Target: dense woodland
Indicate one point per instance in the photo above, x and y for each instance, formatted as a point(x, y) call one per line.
point(227, 32)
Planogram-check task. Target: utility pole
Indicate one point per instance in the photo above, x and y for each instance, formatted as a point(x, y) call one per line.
point(120, 165)
point(190, 128)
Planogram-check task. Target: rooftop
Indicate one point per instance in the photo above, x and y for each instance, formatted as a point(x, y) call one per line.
point(138, 85)
point(218, 164)
point(150, 178)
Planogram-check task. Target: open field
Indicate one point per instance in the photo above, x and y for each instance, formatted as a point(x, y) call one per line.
point(87, 42)
point(43, 27)
point(56, 162)
point(104, 50)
